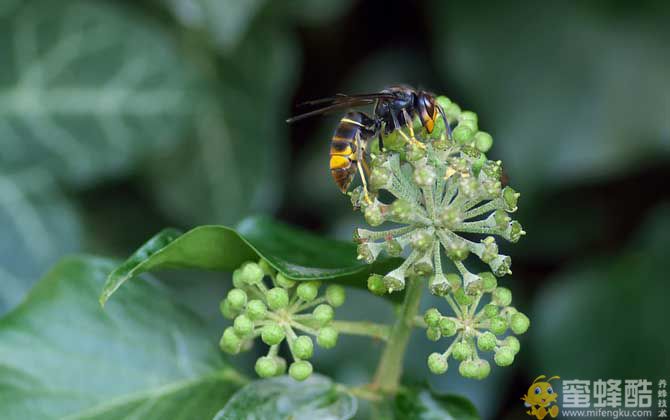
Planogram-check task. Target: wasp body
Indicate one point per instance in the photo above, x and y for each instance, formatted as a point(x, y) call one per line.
point(394, 108)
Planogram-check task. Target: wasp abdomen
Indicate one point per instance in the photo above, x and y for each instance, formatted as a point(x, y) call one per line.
point(344, 147)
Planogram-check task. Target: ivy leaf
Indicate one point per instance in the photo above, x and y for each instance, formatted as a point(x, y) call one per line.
point(143, 357)
point(38, 226)
point(286, 399)
point(297, 254)
point(232, 164)
point(417, 403)
point(87, 89)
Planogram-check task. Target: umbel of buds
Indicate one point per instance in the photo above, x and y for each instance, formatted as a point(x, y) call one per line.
point(472, 329)
point(265, 304)
point(447, 202)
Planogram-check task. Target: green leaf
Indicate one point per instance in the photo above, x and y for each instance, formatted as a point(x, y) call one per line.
point(297, 254)
point(87, 89)
point(612, 311)
point(421, 404)
point(286, 399)
point(38, 225)
point(233, 164)
point(146, 357)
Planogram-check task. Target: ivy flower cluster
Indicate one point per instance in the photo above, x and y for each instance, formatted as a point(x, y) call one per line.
point(475, 329)
point(268, 305)
point(447, 202)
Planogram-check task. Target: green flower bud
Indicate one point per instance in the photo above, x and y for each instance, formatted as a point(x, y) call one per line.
point(490, 310)
point(283, 281)
point(323, 314)
point(490, 282)
point(266, 367)
point(462, 350)
point(230, 342)
point(300, 370)
point(457, 249)
point(237, 298)
point(514, 232)
point(468, 369)
point(432, 317)
point(394, 141)
point(483, 369)
point(379, 178)
point(376, 284)
point(463, 134)
point(277, 298)
point(421, 240)
point(272, 334)
point(303, 348)
point(519, 323)
point(490, 251)
point(498, 325)
point(373, 214)
point(448, 327)
point(395, 280)
point(454, 280)
point(512, 343)
point(433, 333)
point(469, 187)
point(437, 363)
point(414, 153)
point(483, 141)
point(226, 310)
point(401, 210)
point(501, 296)
point(438, 285)
point(472, 125)
point(237, 279)
point(501, 219)
point(327, 337)
point(335, 295)
point(463, 298)
point(452, 111)
point(468, 116)
point(423, 266)
point(443, 101)
point(256, 309)
point(486, 341)
point(393, 247)
point(424, 176)
point(307, 291)
point(450, 216)
point(504, 356)
point(252, 273)
point(243, 326)
point(508, 311)
point(510, 197)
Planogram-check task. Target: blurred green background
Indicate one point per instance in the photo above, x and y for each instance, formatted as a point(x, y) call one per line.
point(118, 118)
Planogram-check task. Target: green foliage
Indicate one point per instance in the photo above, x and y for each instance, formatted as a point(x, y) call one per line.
point(296, 254)
point(285, 399)
point(63, 356)
point(417, 403)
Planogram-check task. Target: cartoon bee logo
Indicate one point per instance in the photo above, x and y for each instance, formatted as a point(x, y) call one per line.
point(540, 398)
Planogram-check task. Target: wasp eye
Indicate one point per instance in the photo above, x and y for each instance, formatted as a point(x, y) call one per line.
point(538, 391)
point(550, 391)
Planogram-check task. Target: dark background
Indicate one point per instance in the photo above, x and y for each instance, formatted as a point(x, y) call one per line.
point(575, 94)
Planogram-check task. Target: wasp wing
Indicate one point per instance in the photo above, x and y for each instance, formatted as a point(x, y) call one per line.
point(342, 98)
point(331, 108)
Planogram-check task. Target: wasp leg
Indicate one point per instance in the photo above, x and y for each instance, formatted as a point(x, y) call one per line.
point(360, 151)
point(446, 122)
point(410, 128)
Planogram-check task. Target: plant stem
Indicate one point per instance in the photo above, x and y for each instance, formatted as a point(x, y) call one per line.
point(370, 329)
point(389, 369)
